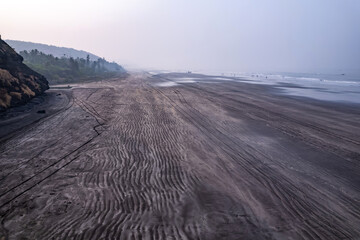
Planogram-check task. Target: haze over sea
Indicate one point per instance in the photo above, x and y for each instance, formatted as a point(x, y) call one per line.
point(330, 87)
point(336, 87)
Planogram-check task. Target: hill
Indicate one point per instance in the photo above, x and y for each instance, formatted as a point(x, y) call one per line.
point(69, 70)
point(18, 83)
point(49, 49)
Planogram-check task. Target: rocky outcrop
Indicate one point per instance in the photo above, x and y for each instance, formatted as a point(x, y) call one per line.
point(18, 83)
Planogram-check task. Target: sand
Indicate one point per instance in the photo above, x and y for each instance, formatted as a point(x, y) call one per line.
point(129, 159)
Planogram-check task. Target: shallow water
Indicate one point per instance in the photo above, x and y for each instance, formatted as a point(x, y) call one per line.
point(328, 87)
point(166, 84)
point(335, 87)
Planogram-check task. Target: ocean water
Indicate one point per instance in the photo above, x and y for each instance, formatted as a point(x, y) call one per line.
point(329, 87)
point(341, 87)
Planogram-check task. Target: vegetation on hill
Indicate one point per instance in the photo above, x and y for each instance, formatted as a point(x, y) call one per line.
point(18, 83)
point(68, 70)
point(49, 49)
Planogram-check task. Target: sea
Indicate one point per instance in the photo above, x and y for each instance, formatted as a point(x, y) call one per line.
point(340, 87)
point(337, 87)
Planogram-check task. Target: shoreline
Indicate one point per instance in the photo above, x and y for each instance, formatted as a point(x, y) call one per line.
point(331, 93)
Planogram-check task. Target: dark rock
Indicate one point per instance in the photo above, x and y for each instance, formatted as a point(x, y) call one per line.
point(41, 111)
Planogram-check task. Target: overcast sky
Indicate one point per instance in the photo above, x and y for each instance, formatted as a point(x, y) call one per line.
point(202, 35)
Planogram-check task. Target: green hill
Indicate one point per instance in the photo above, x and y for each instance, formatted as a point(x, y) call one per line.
point(69, 70)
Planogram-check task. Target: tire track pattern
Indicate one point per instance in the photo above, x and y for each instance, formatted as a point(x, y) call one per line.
point(130, 161)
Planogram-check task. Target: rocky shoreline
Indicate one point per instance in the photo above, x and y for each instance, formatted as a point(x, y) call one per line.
point(18, 83)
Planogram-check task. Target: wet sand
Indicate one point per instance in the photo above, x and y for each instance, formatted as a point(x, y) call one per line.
point(14, 120)
point(128, 159)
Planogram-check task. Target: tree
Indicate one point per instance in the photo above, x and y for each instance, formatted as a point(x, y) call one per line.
point(74, 65)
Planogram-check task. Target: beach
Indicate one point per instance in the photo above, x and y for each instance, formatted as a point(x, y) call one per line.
point(180, 156)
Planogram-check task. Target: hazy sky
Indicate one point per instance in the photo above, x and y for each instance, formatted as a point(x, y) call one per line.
point(203, 35)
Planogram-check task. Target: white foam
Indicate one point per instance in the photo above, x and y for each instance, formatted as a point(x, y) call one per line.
point(221, 78)
point(166, 84)
point(185, 80)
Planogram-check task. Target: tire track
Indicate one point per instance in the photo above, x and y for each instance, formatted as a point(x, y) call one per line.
point(53, 165)
point(137, 143)
point(23, 132)
point(266, 179)
point(267, 111)
point(142, 176)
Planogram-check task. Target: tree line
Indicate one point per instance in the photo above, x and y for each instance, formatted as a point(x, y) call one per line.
point(68, 69)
